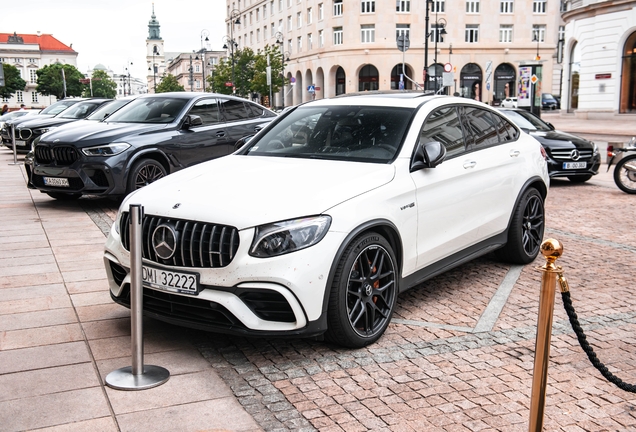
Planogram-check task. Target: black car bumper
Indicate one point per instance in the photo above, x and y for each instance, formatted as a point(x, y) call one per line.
point(563, 168)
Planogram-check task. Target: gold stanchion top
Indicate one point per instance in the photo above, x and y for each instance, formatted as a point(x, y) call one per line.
point(552, 250)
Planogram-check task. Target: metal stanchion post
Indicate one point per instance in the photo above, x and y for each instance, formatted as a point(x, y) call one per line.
point(139, 376)
point(15, 152)
point(551, 250)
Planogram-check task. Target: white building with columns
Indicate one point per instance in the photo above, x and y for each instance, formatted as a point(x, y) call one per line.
point(344, 46)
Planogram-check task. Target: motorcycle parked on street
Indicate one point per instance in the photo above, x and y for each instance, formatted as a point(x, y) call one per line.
point(625, 169)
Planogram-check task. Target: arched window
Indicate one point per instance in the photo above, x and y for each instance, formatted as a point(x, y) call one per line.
point(628, 76)
point(368, 78)
point(470, 79)
point(505, 79)
point(341, 78)
point(575, 76)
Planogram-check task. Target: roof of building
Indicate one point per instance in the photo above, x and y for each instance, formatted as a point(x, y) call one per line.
point(46, 41)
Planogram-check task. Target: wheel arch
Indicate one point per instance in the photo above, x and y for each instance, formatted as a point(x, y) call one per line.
point(386, 229)
point(154, 154)
point(534, 182)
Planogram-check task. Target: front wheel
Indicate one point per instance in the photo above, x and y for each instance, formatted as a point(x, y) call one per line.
point(143, 173)
point(625, 174)
point(526, 230)
point(363, 293)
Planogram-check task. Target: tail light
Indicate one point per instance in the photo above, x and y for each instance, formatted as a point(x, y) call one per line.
point(610, 151)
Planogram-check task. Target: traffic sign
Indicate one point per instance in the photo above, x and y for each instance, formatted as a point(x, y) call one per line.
point(403, 42)
point(448, 67)
point(317, 88)
point(228, 84)
point(311, 89)
point(534, 79)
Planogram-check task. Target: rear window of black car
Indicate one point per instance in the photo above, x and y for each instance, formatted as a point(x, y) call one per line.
point(150, 110)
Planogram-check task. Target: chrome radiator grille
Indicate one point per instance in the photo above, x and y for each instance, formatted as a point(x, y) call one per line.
point(198, 244)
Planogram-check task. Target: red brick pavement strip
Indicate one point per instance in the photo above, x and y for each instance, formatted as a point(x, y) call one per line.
point(424, 378)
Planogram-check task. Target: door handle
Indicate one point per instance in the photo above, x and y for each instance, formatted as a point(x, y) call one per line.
point(514, 153)
point(469, 164)
point(257, 128)
point(220, 134)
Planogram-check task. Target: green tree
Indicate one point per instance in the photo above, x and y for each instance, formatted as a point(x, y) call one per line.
point(12, 81)
point(103, 85)
point(244, 61)
point(259, 82)
point(51, 82)
point(169, 83)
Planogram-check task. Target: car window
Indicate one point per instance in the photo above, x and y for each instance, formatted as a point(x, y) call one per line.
point(233, 109)
point(354, 133)
point(480, 125)
point(208, 110)
point(58, 107)
point(80, 110)
point(443, 125)
point(157, 109)
point(107, 109)
point(527, 120)
point(507, 132)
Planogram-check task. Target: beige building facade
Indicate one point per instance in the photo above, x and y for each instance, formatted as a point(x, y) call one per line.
point(345, 46)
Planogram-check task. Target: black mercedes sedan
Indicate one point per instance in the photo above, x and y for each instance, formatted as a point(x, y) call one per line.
point(28, 131)
point(149, 138)
point(569, 155)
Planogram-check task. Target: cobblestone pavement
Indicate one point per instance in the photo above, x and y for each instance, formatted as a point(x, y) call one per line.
point(458, 355)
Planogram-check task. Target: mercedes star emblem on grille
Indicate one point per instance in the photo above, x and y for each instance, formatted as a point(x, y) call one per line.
point(164, 241)
point(575, 155)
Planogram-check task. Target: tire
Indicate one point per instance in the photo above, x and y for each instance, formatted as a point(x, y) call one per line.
point(526, 230)
point(144, 172)
point(579, 179)
point(363, 293)
point(64, 196)
point(625, 178)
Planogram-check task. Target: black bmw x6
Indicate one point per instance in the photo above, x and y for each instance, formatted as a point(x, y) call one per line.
point(149, 138)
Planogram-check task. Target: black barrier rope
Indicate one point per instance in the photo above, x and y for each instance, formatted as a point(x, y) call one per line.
point(567, 303)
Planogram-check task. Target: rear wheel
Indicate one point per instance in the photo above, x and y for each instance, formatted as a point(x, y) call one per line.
point(363, 293)
point(579, 179)
point(625, 174)
point(526, 230)
point(64, 196)
point(143, 173)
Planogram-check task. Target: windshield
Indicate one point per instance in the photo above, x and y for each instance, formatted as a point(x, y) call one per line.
point(100, 113)
point(80, 110)
point(159, 109)
point(58, 107)
point(356, 133)
point(528, 121)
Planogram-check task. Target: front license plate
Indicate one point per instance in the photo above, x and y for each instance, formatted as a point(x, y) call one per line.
point(574, 165)
point(56, 181)
point(165, 280)
point(20, 143)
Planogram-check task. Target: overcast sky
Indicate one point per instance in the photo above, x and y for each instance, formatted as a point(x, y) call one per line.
point(114, 32)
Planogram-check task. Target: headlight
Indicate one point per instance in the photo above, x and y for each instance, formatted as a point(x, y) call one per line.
point(288, 236)
point(41, 131)
point(594, 148)
point(111, 149)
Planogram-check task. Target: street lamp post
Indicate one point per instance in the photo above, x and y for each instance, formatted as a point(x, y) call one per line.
point(535, 38)
point(281, 42)
point(154, 67)
point(191, 74)
point(124, 85)
point(438, 23)
point(204, 33)
point(234, 19)
point(426, 36)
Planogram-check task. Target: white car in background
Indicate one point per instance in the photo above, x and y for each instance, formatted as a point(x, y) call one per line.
point(317, 224)
point(509, 102)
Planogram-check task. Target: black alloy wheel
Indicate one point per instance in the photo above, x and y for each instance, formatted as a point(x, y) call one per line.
point(143, 173)
point(363, 293)
point(625, 174)
point(525, 233)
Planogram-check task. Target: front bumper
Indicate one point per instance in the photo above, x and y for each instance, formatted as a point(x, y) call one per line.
point(556, 167)
point(277, 296)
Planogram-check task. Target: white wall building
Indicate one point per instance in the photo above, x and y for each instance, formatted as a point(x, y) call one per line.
point(344, 46)
point(599, 76)
point(29, 53)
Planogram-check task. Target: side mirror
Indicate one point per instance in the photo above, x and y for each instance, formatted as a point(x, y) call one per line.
point(428, 155)
point(550, 125)
point(192, 120)
point(240, 143)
